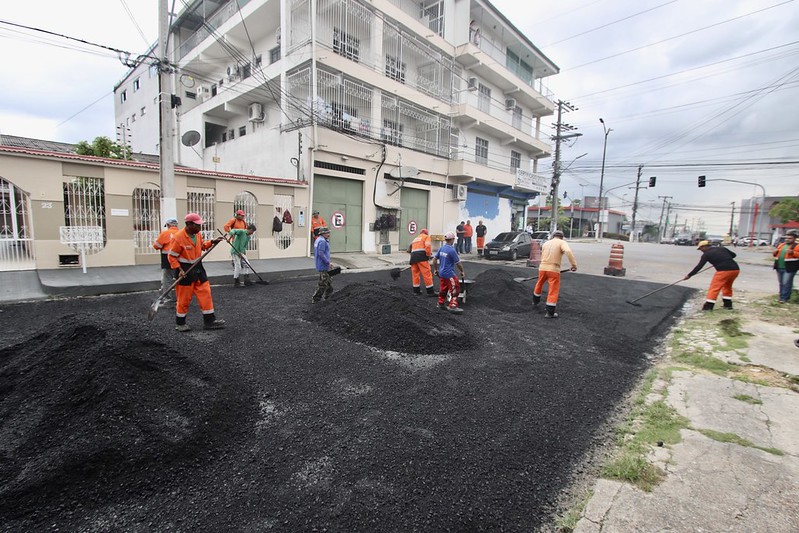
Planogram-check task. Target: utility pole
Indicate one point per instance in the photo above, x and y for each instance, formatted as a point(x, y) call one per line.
point(169, 206)
point(660, 222)
point(559, 127)
point(732, 218)
point(634, 232)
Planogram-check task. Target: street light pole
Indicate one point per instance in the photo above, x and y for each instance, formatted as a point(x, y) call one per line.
point(602, 179)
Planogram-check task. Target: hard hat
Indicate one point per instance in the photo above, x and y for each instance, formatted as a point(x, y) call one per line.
point(702, 243)
point(195, 218)
point(324, 229)
point(171, 222)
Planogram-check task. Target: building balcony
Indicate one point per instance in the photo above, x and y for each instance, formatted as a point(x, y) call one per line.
point(489, 62)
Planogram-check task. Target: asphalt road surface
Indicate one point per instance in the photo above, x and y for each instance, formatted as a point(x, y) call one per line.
point(372, 411)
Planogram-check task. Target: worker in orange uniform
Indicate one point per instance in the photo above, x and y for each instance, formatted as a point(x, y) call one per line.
point(236, 222)
point(162, 245)
point(421, 252)
point(316, 222)
point(727, 270)
point(552, 253)
point(186, 248)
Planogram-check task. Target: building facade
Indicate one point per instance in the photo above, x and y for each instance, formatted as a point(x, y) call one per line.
point(59, 209)
point(398, 114)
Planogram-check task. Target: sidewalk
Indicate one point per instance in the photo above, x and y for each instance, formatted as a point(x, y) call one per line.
point(735, 464)
point(70, 282)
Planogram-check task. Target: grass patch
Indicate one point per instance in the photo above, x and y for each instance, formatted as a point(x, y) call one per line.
point(747, 379)
point(734, 337)
point(748, 399)
point(711, 364)
point(744, 358)
point(634, 468)
point(669, 371)
point(567, 521)
point(732, 438)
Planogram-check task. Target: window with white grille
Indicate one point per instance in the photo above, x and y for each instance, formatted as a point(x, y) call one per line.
point(202, 201)
point(346, 45)
point(395, 69)
point(16, 240)
point(247, 202)
point(515, 160)
point(84, 206)
point(146, 217)
point(484, 98)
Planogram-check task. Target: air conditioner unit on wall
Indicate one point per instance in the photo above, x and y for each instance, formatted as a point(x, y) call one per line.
point(255, 113)
point(459, 192)
point(472, 83)
point(510, 104)
point(232, 71)
point(204, 91)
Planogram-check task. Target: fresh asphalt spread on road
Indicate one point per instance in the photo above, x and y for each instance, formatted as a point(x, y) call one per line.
point(372, 411)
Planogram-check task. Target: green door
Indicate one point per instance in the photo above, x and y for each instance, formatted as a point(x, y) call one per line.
point(414, 215)
point(340, 202)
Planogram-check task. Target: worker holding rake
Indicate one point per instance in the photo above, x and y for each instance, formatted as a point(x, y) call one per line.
point(552, 253)
point(726, 272)
point(184, 253)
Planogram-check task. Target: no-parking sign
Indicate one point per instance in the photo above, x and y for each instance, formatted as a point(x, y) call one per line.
point(337, 219)
point(412, 227)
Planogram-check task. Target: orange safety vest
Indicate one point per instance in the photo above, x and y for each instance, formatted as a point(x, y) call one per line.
point(421, 249)
point(164, 238)
point(183, 252)
point(317, 222)
point(234, 223)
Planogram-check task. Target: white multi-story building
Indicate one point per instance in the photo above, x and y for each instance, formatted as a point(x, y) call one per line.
point(399, 114)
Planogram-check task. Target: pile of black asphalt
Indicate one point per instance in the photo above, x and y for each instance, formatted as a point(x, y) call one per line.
point(370, 411)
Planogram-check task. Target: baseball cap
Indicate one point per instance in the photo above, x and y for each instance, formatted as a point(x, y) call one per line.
point(557, 233)
point(316, 212)
point(195, 218)
point(240, 212)
point(792, 232)
point(423, 230)
point(702, 243)
point(171, 222)
point(449, 235)
point(324, 229)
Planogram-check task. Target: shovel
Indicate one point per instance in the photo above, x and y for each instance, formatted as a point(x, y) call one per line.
point(157, 303)
point(395, 272)
point(522, 280)
point(632, 302)
point(261, 281)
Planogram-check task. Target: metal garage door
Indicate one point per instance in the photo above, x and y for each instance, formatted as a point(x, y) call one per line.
point(414, 209)
point(340, 202)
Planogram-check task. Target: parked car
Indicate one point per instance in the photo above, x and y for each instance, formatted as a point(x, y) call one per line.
point(683, 240)
point(541, 236)
point(715, 240)
point(667, 240)
point(509, 245)
point(744, 241)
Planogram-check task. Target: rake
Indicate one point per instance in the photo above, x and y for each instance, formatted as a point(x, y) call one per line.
point(261, 281)
point(522, 280)
point(633, 302)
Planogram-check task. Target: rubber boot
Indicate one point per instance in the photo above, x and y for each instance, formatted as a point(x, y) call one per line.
point(211, 322)
point(727, 303)
point(551, 311)
point(180, 324)
point(431, 291)
point(536, 299)
point(236, 282)
point(417, 291)
point(709, 306)
point(247, 281)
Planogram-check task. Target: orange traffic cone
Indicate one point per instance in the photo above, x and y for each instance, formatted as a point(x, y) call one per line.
point(616, 263)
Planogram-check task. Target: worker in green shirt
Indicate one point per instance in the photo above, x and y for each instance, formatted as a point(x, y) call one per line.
point(238, 253)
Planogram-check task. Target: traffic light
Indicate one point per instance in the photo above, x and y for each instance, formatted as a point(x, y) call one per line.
point(652, 181)
point(701, 181)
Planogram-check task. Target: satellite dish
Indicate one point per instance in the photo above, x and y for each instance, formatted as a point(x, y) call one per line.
point(401, 173)
point(190, 138)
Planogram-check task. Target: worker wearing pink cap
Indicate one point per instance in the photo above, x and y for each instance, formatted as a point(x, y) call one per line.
point(184, 251)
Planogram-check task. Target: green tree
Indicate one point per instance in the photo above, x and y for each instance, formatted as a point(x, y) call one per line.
point(103, 147)
point(785, 210)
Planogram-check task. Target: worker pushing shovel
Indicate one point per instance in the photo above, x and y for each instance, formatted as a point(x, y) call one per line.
point(552, 253)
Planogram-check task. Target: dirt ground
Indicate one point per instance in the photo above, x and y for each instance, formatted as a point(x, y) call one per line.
point(372, 411)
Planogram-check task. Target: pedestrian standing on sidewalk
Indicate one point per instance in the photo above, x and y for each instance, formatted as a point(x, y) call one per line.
point(468, 231)
point(238, 254)
point(421, 251)
point(162, 244)
point(552, 253)
point(480, 231)
point(726, 272)
point(237, 222)
point(786, 263)
point(323, 265)
point(459, 231)
point(445, 261)
point(186, 248)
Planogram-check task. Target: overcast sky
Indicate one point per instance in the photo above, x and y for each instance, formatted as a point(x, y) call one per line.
point(688, 87)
